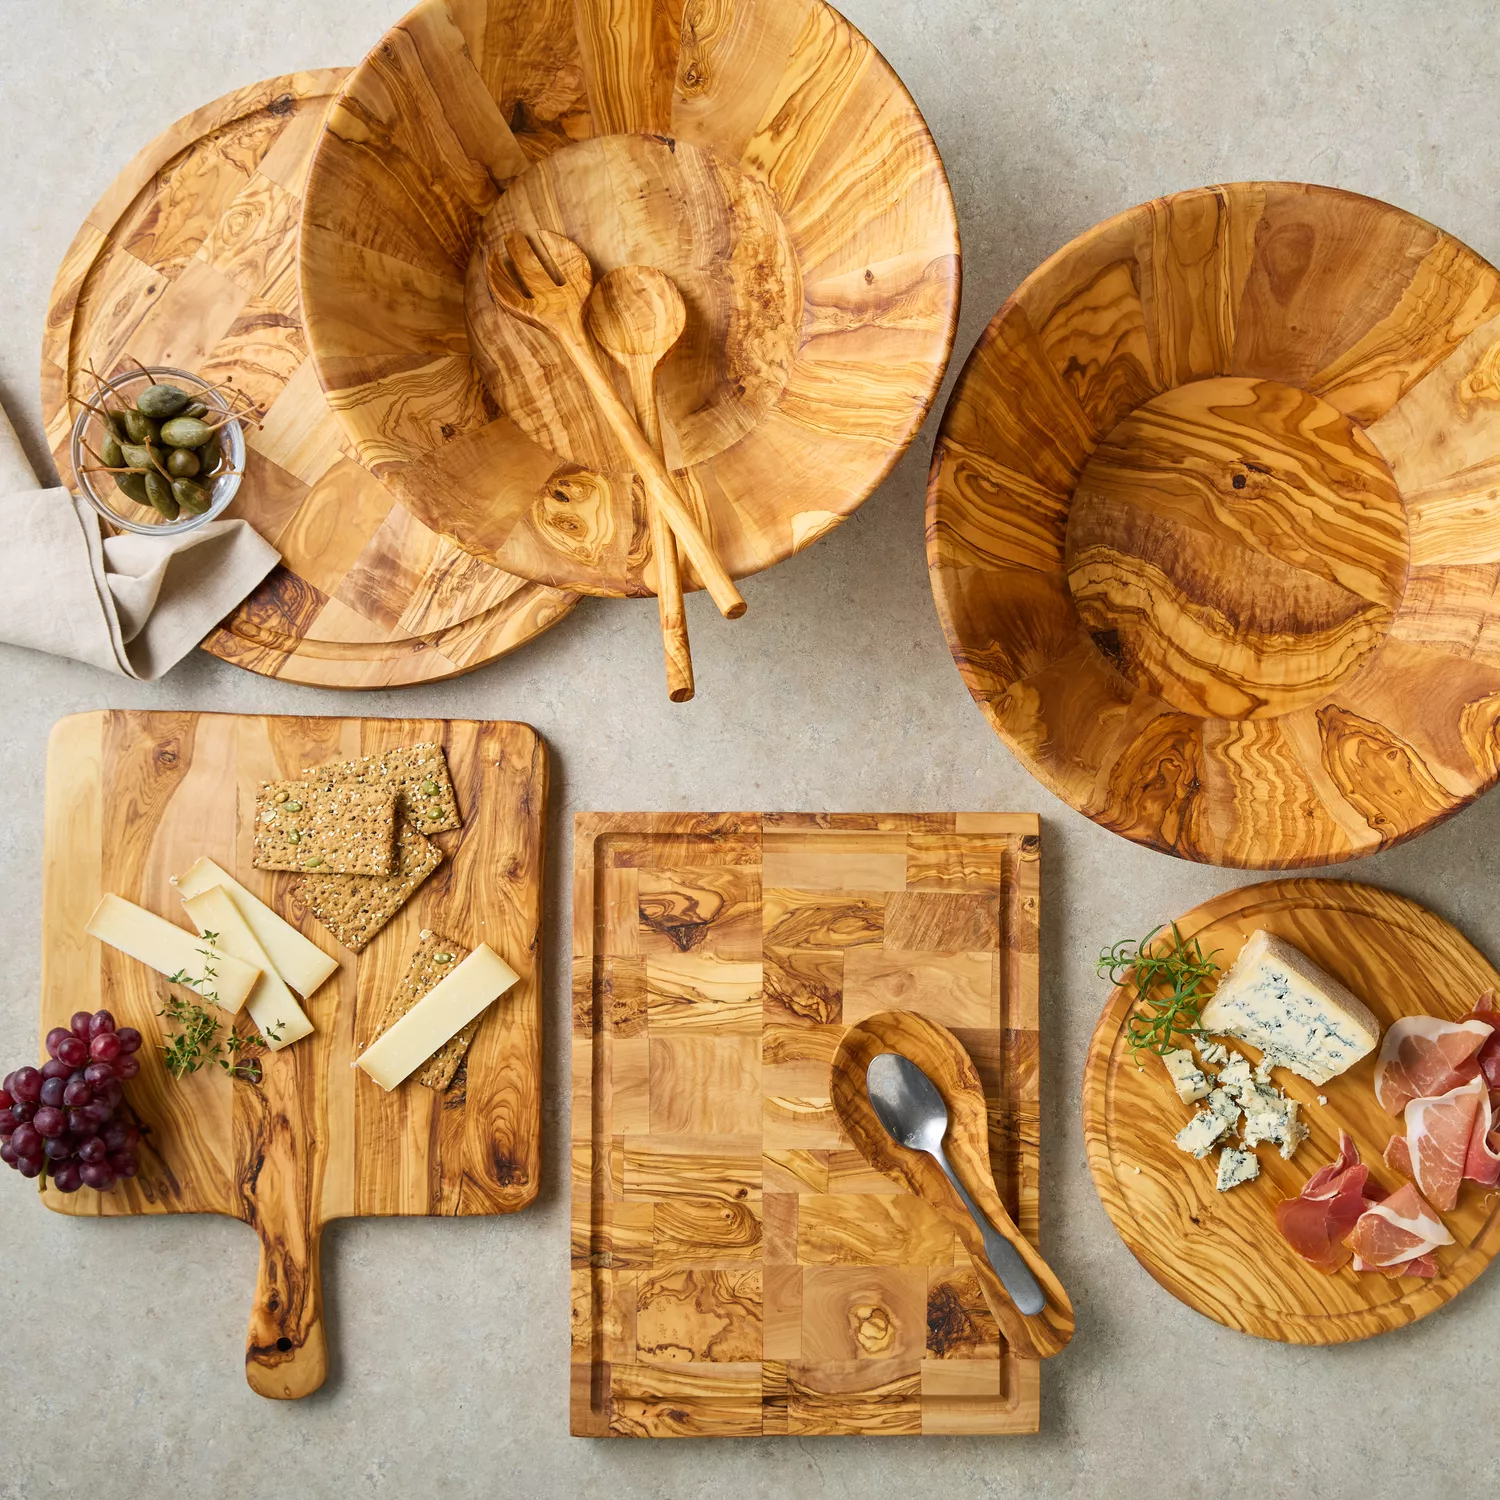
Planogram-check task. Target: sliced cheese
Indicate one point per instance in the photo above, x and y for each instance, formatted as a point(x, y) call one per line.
point(1278, 999)
point(437, 1017)
point(170, 950)
point(271, 1005)
point(299, 961)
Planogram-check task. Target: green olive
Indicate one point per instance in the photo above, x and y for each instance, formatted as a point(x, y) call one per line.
point(109, 452)
point(161, 401)
point(193, 498)
point(133, 485)
point(182, 463)
point(186, 432)
point(141, 455)
point(139, 428)
point(159, 493)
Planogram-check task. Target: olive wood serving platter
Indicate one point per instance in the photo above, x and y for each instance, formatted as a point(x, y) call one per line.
point(190, 259)
point(134, 798)
point(1214, 524)
point(762, 154)
point(941, 1056)
point(1221, 1253)
point(738, 1267)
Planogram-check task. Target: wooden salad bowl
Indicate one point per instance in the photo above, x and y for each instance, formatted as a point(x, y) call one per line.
point(1214, 524)
point(763, 155)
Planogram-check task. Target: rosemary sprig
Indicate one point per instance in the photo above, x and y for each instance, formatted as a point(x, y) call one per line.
point(1169, 984)
point(198, 1040)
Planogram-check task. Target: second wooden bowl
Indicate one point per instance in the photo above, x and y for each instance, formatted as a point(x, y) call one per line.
point(1214, 524)
point(763, 155)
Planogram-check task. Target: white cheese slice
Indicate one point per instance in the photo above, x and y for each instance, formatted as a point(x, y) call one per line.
point(1187, 1079)
point(169, 949)
point(1201, 1133)
point(299, 961)
point(1277, 999)
point(271, 1005)
point(437, 1017)
point(1236, 1167)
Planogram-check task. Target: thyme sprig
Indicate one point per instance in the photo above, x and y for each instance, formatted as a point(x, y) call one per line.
point(198, 1040)
point(1169, 983)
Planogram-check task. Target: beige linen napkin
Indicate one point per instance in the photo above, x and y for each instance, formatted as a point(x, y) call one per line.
point(130, 604)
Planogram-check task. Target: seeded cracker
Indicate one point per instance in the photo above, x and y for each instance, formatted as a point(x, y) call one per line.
point(418, 774)
point(434, 958)
point(344, 829)
point(355, 907)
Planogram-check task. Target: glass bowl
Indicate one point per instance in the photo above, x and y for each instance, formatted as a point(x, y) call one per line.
point(99, 489)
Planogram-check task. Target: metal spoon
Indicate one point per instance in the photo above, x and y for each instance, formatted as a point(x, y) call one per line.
point(907, 1103)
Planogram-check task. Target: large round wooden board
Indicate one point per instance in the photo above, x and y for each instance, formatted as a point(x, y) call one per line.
point(189, 259)
point(762, 153)
point(1221, 1253)
point(1214, 524)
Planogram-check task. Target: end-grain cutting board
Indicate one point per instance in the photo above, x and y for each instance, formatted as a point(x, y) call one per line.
point(738, 1268)
point(134, 798)
point(190, 259)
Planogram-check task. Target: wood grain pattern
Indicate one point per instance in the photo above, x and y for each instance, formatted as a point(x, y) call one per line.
point(134, 798)
point(763, 155)
point(941, 1056)
point(190, 259)
point(1213, 528)
point(1221, 1253)
point(738, 1267)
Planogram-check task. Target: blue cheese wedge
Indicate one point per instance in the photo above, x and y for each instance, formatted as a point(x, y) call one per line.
point(1277, 999)
point(1187, 1078)
point(1236, 1167)
point(1202, 1133)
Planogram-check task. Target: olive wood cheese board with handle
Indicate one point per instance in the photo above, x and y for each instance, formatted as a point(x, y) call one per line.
point(136, 798)
point(1222, 1253)
point(739, 1269)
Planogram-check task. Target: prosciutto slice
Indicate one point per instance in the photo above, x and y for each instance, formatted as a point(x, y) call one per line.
point(1438, 1133)
point(1488, 1056)
point(1317, 1222)
point(1401, 1231)
point(1422, 1057)
point(1482, 1164)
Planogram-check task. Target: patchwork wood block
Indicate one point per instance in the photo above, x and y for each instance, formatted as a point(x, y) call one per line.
point(738, 1267)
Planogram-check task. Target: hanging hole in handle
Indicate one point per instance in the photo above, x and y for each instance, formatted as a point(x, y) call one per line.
point(283, 1344)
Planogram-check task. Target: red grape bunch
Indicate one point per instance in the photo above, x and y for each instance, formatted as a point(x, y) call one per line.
point(63, 1118)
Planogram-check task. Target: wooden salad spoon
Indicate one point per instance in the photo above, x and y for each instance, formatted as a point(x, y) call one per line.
point(941, 1056)
point(553, 300)
point(636, 314)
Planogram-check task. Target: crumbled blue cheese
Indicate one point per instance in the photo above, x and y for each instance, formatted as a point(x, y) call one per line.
point(1274, 1119)
point(1214, 1054)
point(1190, 1083)
point(1223, 1103)
point(1235, 1076)
point(1236, 1167)
point(1277, 999)
point(1200, 1135)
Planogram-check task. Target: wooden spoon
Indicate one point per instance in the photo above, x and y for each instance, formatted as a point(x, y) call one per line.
point(942, 1058)
point(636, 314)
point(553, 298)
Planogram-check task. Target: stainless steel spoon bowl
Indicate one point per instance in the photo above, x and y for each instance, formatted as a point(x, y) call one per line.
point(908, 1105)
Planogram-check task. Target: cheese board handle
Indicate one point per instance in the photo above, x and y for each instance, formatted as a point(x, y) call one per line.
point(286, 1350)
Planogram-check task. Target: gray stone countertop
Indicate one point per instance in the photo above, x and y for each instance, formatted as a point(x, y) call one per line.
point(121, 1373)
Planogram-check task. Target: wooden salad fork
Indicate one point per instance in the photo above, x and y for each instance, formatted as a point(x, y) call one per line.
point(554, 302)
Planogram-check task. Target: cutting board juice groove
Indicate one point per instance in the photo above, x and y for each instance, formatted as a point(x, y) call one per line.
point(133, 798)
point(738, 1268)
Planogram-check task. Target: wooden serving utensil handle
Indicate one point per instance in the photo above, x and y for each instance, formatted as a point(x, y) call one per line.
point(659, 487)
point(670, 605)
point(286, 1349)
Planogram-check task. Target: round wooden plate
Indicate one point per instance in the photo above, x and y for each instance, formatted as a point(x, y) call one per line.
point(1214, 524)
point(763, 154)
point(190, 259)
point(1221, 1253)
